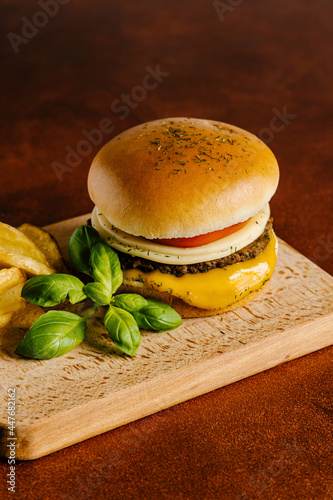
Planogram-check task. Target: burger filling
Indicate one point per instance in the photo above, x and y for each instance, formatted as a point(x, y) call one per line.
point(216, 288)
point(214, 283)
point(249, 252)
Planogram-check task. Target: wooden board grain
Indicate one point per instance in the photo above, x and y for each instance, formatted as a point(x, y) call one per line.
point(95, 388)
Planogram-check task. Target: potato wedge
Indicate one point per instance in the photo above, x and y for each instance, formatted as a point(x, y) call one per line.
point(47, 244)
point(11, 284)
point(17, 250)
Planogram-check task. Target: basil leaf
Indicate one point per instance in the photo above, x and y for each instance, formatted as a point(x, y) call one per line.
point(52, 335)
point(149, 314)
point(157, 316)
point(129, 301)
point(122, 329)
point(105, 266)
point(79, 247)
point(98, 293)
point(52, 289)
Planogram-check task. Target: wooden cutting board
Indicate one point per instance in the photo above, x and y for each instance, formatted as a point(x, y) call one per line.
point(95, 388)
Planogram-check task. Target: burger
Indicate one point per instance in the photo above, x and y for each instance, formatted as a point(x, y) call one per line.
point(185, 204)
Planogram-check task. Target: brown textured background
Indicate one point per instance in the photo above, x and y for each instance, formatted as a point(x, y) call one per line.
point(269, 436)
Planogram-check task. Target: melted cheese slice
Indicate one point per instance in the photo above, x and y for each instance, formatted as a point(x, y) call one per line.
point(140, 247)
point(214, 289)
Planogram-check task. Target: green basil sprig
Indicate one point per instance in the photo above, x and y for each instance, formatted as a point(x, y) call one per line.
point(98, 293)
point(149, 314)
point(53, 289)
point(122, 329)
point(52, 335)
point(130, 301)
point(58, 332)
point(80, 245)
point(106, 266)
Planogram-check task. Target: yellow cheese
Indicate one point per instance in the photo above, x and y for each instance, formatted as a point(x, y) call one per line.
point(214, 289)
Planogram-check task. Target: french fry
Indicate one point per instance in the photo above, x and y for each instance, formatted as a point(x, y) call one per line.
point(17, 250)
point(46, 243)
point(11, 284)
point(26, 316)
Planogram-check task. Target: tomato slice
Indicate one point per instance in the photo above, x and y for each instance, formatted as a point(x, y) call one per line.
point(202, 239)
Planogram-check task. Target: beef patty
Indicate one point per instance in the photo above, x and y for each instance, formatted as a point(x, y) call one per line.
point(246, 253)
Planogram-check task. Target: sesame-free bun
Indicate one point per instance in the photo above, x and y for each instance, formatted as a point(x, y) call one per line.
point(181, 177)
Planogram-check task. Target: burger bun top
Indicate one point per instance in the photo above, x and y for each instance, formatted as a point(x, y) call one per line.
point(181, 177)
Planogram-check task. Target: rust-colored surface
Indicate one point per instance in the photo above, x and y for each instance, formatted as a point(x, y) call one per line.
point(269, 436)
